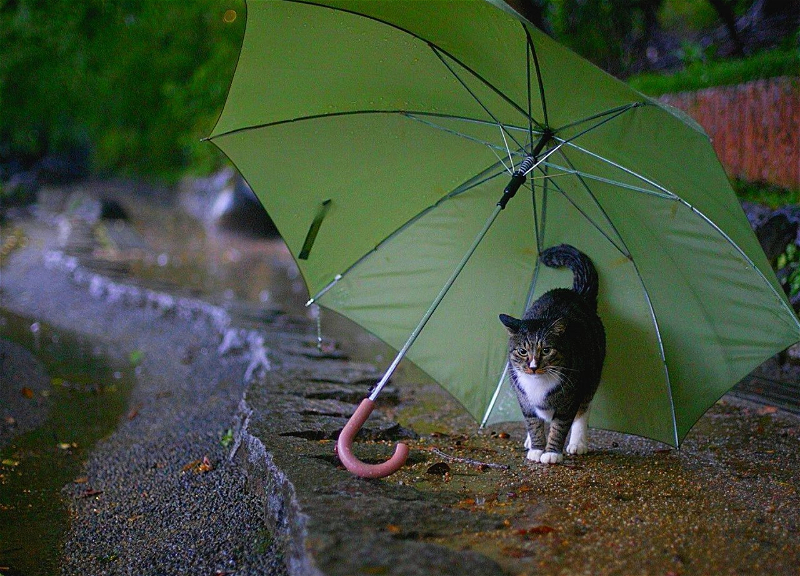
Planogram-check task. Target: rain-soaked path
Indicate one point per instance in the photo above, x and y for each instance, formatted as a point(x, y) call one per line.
point(160, 496)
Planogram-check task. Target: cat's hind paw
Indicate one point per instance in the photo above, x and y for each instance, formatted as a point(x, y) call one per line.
point(528, 442)
point(534, 455)
point(551, 458)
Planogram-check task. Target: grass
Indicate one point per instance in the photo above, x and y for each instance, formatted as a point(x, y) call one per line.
point(705, 74)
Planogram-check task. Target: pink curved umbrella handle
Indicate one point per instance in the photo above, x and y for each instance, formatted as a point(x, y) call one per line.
point(345, 444)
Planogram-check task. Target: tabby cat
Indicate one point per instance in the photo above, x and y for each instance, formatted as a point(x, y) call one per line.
point(556, 353)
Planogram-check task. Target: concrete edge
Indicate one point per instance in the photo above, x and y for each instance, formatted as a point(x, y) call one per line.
point(281, 508)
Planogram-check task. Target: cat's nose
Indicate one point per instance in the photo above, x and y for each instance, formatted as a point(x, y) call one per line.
point(533, 364)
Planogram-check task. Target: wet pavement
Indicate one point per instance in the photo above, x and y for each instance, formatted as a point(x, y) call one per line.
point(169, 499)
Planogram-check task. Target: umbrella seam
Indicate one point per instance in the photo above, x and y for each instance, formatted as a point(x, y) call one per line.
point(347, 113)
point(413, 35)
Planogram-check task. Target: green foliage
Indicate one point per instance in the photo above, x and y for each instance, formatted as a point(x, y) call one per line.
point(700, 73)
point(695, 15)
point(140, 81)
point(791, 259)
point(603, 31)
point(226, 438)
point(764, 193)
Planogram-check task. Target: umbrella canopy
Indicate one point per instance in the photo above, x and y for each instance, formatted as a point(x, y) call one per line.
point(379, 136)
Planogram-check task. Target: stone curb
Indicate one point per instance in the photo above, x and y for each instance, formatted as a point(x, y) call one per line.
point(282, 510)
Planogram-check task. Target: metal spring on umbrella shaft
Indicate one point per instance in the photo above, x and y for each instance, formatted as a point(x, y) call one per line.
point(525, 166)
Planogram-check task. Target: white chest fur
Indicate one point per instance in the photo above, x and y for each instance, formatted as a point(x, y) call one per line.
point(536, 387)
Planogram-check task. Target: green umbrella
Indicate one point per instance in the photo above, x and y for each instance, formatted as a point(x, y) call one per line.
point(380, 135)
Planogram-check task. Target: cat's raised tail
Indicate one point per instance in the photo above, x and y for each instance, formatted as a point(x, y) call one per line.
point(585, 280)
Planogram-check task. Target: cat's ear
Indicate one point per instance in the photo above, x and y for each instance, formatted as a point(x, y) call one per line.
point(512, 324)
point(558, 327)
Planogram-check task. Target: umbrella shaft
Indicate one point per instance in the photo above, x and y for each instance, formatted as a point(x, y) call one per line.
point(393, 366)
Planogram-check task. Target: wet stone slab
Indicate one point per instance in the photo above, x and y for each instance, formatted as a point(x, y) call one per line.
point(467, 501)
point(351, 525)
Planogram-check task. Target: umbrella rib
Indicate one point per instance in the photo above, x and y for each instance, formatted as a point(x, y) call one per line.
point(530, 103)
point(480, 178)
point(532, 52)
point(661, 351)
point(617, 183)
point(491, 146)
point(528, 301)
point(672, 196)
point(749, 261)
point(564, 142)
point(596, 201)
point(622, 251)
point(619, 166)
point(474, 96)
point(653, 316)
point(602, 114)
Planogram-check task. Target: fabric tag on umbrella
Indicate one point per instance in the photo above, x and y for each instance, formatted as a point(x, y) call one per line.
point(313, 230)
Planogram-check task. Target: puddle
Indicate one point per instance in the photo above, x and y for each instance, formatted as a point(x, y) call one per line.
point(87, 395)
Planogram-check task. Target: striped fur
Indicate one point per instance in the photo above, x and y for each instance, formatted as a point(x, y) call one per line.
point(556, 352)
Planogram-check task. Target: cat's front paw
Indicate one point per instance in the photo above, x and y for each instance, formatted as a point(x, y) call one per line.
point(579, 448)
point(534, 454)
point(551, 458)
point(528, 442)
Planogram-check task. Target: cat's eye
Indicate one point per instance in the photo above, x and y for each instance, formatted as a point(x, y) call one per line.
point(522, 351)
point(546, 351)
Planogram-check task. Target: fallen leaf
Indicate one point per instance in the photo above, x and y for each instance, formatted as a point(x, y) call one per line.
point(393, 529)
point(504, 435)
point(440, 469)
point(67, 445)
point(10, 420)
point(205, 466)
point(199, 466)
point(191, 465)
point(767, 410)
point(516, 552)
point(535, 530)
point(81, 480)
point(27, 392)
point(89, 492)
point(134, 412)
point(10, 462)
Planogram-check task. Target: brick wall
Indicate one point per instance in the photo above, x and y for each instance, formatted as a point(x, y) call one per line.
point(755, 127)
